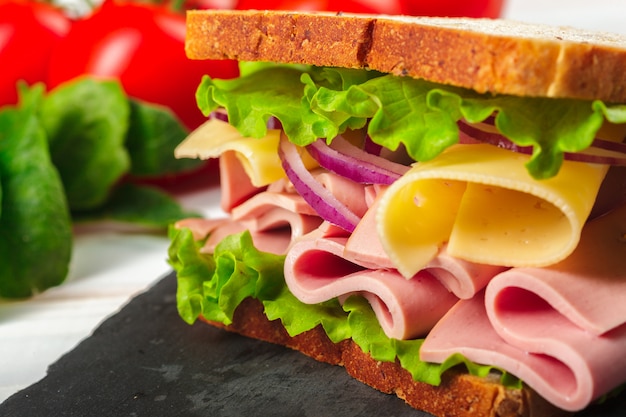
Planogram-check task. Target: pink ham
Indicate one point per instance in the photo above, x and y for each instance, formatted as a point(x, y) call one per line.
point(567, 320)
point(316, 271)
point(272, 210)
point(462, 278)
point(571, 368)
point(274, 218)
point(235, 184)
point(326, 264)
point(259, 203)
point(348, 192)
point(588, 287)
point(363, 246)
point(200, 228)
point(275, 240)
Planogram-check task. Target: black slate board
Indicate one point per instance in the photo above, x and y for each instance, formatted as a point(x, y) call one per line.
point(145, 361)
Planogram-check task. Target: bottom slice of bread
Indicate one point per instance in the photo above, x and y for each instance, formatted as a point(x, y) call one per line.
point(459, 394)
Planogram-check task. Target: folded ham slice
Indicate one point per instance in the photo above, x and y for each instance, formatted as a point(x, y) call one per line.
point(235, 184)
point(561, 329)
point(328, 264)
point(275, 218)
point(462, 278)
point(316, 270)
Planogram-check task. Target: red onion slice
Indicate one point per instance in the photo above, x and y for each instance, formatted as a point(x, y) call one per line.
point(320, 198)
point(471, 134)
point(345, 159)
point(372, 147)
point(619, 147)
point(219, 114)
point(222, 115)
point(491, 138)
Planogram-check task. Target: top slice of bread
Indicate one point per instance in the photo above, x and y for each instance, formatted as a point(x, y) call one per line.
point(496, 56)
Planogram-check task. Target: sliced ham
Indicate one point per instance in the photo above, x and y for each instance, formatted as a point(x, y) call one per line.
point(235, 184)
point(272, 210)
point(316, 271)
point(561, 329)
point(570, 369)
point(276, 240)
point(462, 278)
point(200, 228)
point(225, 229)
point(274, 218)
point(363, 246)
point(588, 287)
point(350, 193)
point(275, 215)
point(326, 264)
point(259, 203)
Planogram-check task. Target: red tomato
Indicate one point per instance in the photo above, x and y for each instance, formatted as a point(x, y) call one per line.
point(471, 8)
point(142, 45)
point(350, 6)
point(455, 8)
point(209, 4)
point(29, 31)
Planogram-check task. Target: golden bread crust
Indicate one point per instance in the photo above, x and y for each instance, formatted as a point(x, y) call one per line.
point(459, 395)
point(486, 55)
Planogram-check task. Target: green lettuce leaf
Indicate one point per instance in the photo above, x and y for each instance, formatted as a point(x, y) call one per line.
point(214, 285)
point(551, 126)
point(314, 103)
point(253, 99)
point(193, 269)
point(35, 228)
point(298, 318)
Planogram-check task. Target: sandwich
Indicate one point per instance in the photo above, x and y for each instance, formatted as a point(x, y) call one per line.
point(436, 204)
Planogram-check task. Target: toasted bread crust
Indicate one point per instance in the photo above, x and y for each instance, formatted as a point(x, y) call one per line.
point(496, 56)
point(459, 395)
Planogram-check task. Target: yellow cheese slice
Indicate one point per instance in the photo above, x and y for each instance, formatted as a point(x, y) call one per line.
point(259, 157)
point(481, 201)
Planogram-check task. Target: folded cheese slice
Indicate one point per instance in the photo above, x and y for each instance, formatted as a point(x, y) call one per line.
point(259, 156)
point(481, 201)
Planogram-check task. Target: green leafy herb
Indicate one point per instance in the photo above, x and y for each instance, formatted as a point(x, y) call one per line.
point(86, 122)
point(35, 228)
point(66, 153)
point(139, 205)
point(153, 134)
